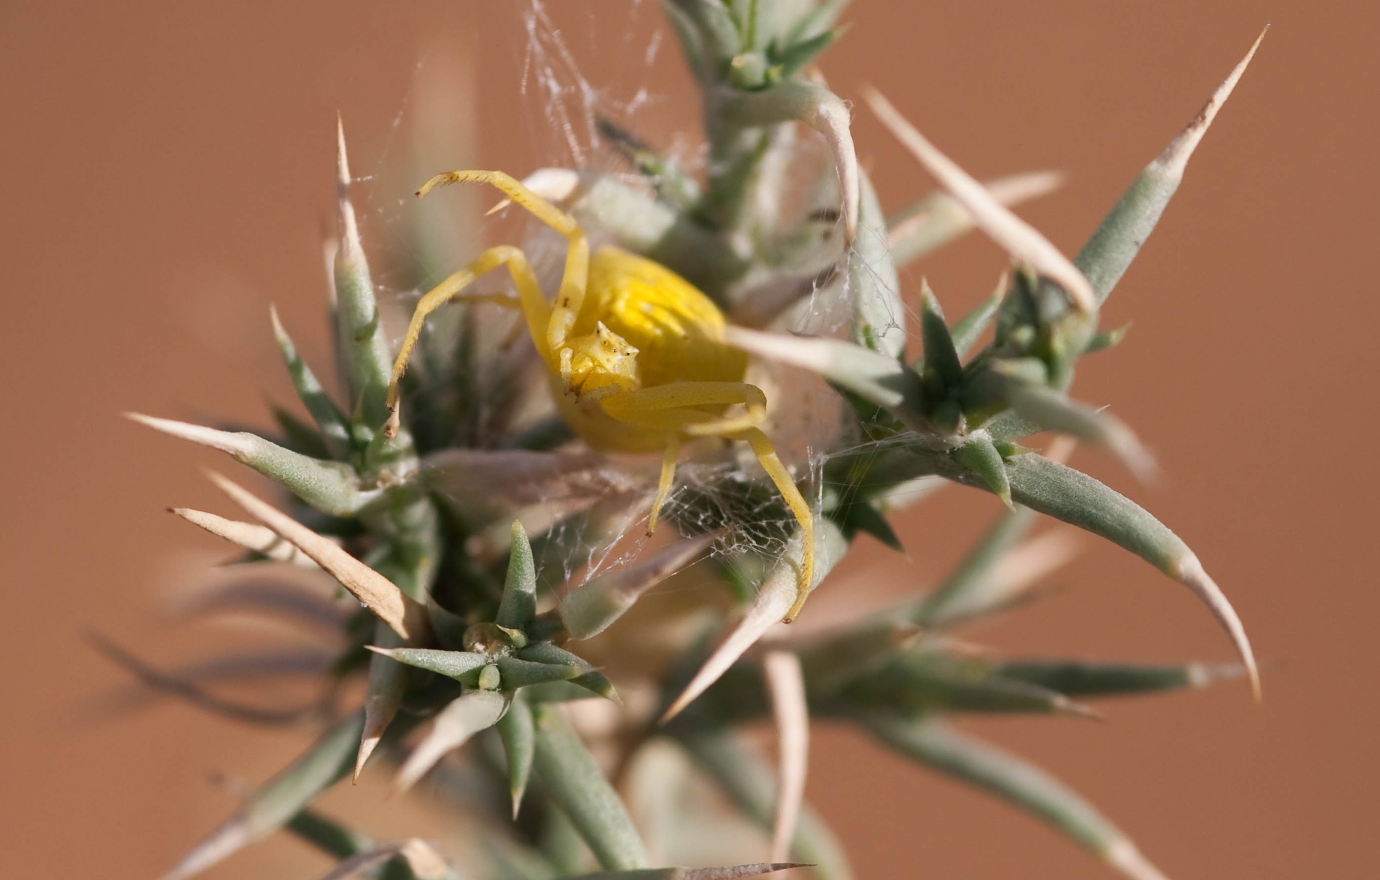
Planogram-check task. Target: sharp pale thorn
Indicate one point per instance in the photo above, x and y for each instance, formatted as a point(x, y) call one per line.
point(766, 611)
point(429, 751)
point(1017, 188)
point(279, 331)
point(1021, 239)
point(350, 246)
point(378, 714)
point(453, 727)
point(786, 683)
point(329, 249)
point(1011, 190)
point(831, 120)
point(1124, 856)
point(1126, 446)
point(342, 162)
point(1064, 706)
point(1189, 570)
point(1175, 157)
point(405, 616)
point(731, 872)
point(260, 539)
point(224, 841)
point(240, 445)
point(424, 862)
point(1034, 559)
point(1061, 449)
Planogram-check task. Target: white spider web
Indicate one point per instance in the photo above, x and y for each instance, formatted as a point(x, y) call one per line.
point(556, 44)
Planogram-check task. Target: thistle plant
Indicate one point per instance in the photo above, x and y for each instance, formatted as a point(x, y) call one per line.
point(459, 517)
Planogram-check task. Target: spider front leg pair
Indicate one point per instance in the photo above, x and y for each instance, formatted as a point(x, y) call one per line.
point(548, 326)
point(636, 353)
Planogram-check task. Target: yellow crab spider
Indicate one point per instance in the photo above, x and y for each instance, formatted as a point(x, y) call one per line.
point(635, 353)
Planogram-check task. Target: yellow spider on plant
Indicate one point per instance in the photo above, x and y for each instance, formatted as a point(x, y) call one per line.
point(635, 353)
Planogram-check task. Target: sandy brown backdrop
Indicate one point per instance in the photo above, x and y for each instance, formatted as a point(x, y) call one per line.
point(166, 173)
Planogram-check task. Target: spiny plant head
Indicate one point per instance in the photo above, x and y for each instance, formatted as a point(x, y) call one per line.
point(466, 526)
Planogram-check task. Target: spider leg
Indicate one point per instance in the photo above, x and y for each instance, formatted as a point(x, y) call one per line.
point(673, 407)
point(667, 480)
point(571, 294)
point(530, 300)
point(766, 456)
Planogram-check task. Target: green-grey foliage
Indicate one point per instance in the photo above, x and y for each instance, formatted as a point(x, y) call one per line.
point(500, 592)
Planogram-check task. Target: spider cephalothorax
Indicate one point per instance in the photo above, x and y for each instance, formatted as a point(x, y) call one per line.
point(636, 354)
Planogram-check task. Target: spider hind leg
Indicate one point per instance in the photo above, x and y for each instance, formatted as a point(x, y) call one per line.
point(676, 407)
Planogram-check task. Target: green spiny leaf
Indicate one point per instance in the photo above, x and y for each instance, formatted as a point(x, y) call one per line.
point(941, 356)
point(545, 652)
point(460, 720)
point(1104, 339)
point(580, 789)
point(323, 410)
point(368, 365)
point(820, 17)
point(717, 34)
point(1118, 239)
point(387, 683)
point(518, 673)
point(330, 487)
point(860, 516)
point(790, 60)
point(463, 666)
point(327, 834)
point(917, 681)
point(298, 436)
point(1078, 499)
point(518, 731)
point(778, 594)
point(968, 329)
point(519, 604)
point(1056, 412)
point(1013, 780)
point(747, 779)
point(980, 456)
point(558, 692)
point(830, 664)
point(275, 802)
point(1097, 679)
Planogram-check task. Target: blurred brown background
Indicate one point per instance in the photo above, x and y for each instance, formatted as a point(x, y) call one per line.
point(167, 173)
